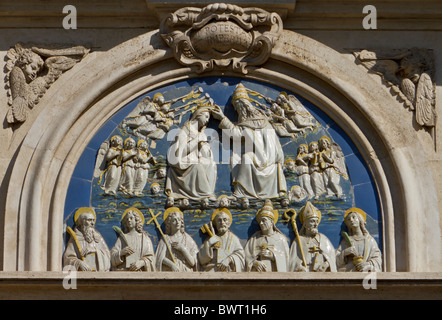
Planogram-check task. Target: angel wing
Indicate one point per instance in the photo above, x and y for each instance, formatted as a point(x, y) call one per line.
point(100, 162)
point(425, 102)
point(409, 90)
point(19, 96)
point(339, 161)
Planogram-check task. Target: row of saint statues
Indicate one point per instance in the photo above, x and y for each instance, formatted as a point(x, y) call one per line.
point(267, 250)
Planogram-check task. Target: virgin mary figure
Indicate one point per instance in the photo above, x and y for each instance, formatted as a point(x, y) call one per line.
point(192, 169)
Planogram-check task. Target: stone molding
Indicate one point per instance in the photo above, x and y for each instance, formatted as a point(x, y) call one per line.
point(191, 286)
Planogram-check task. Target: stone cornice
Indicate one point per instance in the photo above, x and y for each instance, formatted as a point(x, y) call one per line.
point(297, 15)
point(188, 286)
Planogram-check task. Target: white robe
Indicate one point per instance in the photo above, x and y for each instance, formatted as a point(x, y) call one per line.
point(366, 247)
point(314, 258)
point(210, 258)
point(98, 261)
point(276, 243)
point(143, 250)
point(192, 170)
point(181, 261)
point(257, 166)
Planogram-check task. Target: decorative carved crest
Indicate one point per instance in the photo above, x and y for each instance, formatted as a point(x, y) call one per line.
point(410, 75)
point(221, 36)
point(31, 70)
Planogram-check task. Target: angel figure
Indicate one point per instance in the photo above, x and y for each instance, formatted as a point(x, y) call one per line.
point(128, 167)
point(331, 163)
point(31, 71)
point(316, 177)
point(152, 118)
point(281, 123)
point(409, 72)
point(419, 89)
point(296, 112)
point(108, 165)
point(302, 169)
point(141, 172)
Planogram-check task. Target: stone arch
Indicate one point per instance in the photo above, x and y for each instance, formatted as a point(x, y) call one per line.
point(79, 103)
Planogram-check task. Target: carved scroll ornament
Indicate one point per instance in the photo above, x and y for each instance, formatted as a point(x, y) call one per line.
point(31, 70)
point(221, 36)
point(410, 75)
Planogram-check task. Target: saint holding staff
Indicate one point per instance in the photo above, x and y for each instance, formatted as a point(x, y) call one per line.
point(176, 251)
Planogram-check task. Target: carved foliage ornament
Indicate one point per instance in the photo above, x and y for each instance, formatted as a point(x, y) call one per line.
point(221, 36)
point(410, 75)
point(31, 70)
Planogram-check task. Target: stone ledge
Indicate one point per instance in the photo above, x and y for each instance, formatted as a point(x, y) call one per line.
point(205, 286)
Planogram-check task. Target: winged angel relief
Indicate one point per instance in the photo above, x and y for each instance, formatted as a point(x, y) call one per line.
point(31, 70)
point(409, 73)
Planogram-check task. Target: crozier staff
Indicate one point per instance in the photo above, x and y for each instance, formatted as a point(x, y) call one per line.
point(318, 251)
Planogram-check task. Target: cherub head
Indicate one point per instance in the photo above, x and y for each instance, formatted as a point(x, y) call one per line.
point(223, 201)
point(161, 173)
point(290, 165)
point(155, 188)
point(30, 63)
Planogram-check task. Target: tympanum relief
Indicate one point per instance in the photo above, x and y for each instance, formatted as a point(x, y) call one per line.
point(221, 174)
point(225, 187)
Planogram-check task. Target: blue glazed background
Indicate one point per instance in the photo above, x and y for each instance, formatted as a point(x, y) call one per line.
point(360, 189)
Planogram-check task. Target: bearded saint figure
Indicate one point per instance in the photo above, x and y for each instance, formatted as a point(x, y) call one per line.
point(257, 165)
point(86, 249)
point(313, 251)
point(222, 250)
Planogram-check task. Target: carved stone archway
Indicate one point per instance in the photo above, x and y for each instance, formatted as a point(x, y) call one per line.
point(76, 106)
